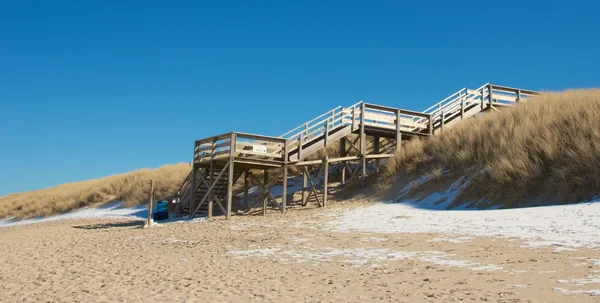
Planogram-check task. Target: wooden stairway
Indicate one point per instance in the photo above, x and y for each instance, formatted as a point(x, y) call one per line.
point(204, 181)
point(249, 151)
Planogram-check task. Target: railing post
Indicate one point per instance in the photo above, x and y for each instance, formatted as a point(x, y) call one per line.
point(482, 98)
point(326, 132)
point(462, 106)
point(518, 96)
point(300, 147)
point(490, 96)
point(353, 118)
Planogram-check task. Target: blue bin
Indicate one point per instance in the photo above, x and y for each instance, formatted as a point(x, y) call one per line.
point(161, 211)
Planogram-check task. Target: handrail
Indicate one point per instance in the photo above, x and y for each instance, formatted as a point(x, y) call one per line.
point(309, 122)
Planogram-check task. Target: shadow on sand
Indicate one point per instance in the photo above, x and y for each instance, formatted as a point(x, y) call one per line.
point(127, 224)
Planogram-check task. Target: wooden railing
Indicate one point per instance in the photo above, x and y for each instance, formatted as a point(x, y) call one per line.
point(239, 145)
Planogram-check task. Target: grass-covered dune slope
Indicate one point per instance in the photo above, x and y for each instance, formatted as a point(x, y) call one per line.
point(544, 151)
point(132, 188)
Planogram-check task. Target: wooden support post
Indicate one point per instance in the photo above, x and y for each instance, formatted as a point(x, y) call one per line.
point(363, 145)
point(343, 154)
point(398, 133)
point(265, 183)
point(430, 127)
point(376, 150)
point(518, 96)
point(149, 220)
point(193, 181)
point(326, 179)
point(212, 180)
point(443, 121)
point(246, 188)
point(376, 144)
point(304, 186)
point(230, 175)
point(285, 176)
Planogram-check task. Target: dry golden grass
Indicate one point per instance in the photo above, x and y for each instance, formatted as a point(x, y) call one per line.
point(132, 188)
point(547, 149)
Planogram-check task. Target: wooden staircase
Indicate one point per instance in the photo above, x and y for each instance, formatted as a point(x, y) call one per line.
point(219, 191)
point(235, 153)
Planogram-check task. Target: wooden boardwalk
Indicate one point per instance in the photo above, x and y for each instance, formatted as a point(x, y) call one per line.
point(220, 161)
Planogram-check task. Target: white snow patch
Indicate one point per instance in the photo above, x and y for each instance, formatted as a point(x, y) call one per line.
point(357, 256)
point(109, 211)
point(595, 292)
point(452, 240)
point(590, 279)
point(572, 226)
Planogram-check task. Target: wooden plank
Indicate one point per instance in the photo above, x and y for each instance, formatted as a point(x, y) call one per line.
point(379, 156)
point(342, 159)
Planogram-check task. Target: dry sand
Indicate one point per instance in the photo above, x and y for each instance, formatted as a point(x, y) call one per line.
point(278, 259)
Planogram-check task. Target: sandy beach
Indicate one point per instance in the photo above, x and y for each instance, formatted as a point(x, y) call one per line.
point(281, 258)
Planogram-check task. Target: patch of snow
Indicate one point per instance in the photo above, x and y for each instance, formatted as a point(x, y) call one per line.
point(518, 286)
point(590, 279)
point(452, 240)
point(571, 226)
point(357, 256)
point(110, 211)
point(595, 292)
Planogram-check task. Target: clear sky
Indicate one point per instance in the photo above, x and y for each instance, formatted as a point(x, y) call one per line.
point(93, 88)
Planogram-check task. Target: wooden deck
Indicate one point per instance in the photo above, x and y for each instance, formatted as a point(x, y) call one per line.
point(219, 161)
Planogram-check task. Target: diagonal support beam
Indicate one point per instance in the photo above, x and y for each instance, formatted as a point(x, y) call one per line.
point(210, 189)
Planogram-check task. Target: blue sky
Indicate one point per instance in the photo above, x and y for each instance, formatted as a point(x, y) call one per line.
point(93, 88)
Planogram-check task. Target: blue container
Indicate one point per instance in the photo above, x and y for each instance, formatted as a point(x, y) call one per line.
point(161, 211)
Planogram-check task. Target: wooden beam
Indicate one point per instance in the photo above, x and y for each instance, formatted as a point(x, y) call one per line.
point(230, 176)
point(326, 179)
point(304, 186)
point(265, 182)
point(343, 154)
point(285, 177)
point(398, 133)
point(246, 188)
point(363, 144)
point(379, 156)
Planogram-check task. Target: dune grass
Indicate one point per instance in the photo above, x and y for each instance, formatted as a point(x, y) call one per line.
point(547, 149)
point(131, 188)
